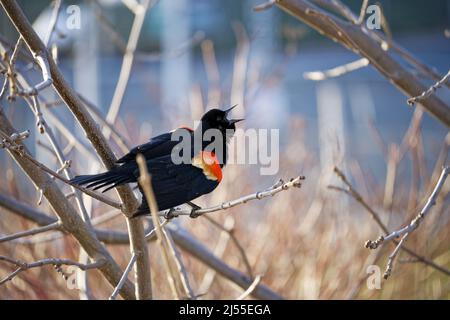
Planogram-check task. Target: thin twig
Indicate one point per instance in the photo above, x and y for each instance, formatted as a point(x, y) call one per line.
point(13, 146)
point(430, 91)
point(351, 191)
point(10, 75)
point(219, 250)
point(358, 39)
point(181, 272)
point(362, 11)
point(276, 188)
point(145, 182)
point(251, 288)
point(115, 134)
point(338, 7)
point(69, 217)
point(197, 249)
point(107, 25)
point(382, 40)
point(127, 64)
point(22, 266)
point(415, 223)
point(183, 239)
point(337, 71)
point(53, 226)
point(264, 6)
point(124, 277)
point(236, 243)
point(53, 21)
point(130, 265)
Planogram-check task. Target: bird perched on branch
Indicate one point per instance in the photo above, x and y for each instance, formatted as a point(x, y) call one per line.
point(184, 163)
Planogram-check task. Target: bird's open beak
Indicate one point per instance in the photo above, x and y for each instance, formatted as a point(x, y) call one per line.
point(233, 121)
point(228, 110)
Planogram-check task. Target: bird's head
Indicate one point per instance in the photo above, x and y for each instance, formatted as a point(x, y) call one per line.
point(218, 119)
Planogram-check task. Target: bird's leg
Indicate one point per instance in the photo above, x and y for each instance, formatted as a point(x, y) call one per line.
point(170, 214)
point(194, 207)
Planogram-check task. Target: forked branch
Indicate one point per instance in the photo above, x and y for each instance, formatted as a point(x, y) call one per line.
point(413, 225)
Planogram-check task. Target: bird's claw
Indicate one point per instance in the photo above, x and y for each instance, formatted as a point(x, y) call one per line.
point(194, 213)
point(194, 209)
point(170, 214)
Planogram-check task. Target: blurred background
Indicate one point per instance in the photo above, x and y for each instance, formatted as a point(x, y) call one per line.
point(194, 55)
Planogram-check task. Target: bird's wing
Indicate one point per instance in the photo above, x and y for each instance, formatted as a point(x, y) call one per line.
point(175, 184)
point(157, 146)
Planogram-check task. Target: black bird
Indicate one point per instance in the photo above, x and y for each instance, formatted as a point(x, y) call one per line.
point(173, 183)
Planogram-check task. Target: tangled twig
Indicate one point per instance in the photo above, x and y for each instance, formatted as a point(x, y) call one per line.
point(351, 191)
point(413, 225)
point(430, 91)
point(22, 266)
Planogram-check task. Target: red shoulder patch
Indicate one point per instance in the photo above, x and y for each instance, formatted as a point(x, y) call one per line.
point(185, 127)
point(208, 162)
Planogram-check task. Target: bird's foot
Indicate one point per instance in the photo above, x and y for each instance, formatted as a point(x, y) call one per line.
point(194, 214)
point(172, 213)
point(194, 207)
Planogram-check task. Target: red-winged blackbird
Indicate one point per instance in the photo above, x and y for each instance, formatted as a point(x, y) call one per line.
point(173, 183)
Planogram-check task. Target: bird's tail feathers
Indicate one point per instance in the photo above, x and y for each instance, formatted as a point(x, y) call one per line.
point(107, 180)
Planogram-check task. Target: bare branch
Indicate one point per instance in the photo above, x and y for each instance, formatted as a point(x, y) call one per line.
point(264, 6)
point(338, 7)
point(181, 237)
point(53, 21)
point(133, 5)
point(107, 26)
point(123, 278)
point(384, 42)
point(121, 44)
point(276, 188)
point(430, 90)
point(356, 38)
point(69, 217)
point(12, 145)
point(127, 64)
point(355, 195)
point(67, 94)
point(72, 100)
point(119, 138)
point(250, 289)
point(149, 236)
point(53, 226)
point(10, 75)
point(236, 243)
point(337, 71)
point(47, 81)
point(199, 251)
point(406, 231)
point(362, 12)
point(219, 250)
point(22, 266)
point(145, 182)
point(180, 271)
